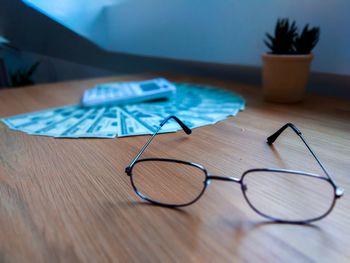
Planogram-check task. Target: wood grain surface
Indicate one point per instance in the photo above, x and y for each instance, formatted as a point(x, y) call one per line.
point(69, 200)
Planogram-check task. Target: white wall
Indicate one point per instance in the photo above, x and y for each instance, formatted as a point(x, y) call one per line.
point(224, 31)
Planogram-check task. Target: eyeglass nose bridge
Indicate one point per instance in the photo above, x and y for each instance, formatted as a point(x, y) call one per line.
point(224, 178)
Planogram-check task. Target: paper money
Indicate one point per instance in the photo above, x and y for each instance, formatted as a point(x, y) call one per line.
point(29, 121)
point(58, 128)
point(129, 126)
point(105, 125)
point(150, 120)
point(100, 122)
point(196, 105)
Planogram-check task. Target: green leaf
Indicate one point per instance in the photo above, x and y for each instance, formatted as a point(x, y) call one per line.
point(22, 77)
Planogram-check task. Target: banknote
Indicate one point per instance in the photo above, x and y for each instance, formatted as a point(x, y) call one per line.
point(100, 122)
point(57, 128)
point(104, 125)
point(196, 105)
point(151, 120)
point(129, 126)
point(35, 120)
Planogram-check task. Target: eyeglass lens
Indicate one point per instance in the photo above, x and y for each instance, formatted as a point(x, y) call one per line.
point(288, 196)
point(168, 182)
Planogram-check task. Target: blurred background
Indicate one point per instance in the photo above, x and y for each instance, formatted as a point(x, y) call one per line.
point(223, 38)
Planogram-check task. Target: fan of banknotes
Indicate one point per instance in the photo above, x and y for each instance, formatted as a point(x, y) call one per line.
point(195, 105)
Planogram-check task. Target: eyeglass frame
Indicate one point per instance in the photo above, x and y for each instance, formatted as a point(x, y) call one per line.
point(338, 191)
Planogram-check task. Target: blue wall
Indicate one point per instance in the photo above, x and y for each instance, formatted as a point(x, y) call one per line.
point(223, 31)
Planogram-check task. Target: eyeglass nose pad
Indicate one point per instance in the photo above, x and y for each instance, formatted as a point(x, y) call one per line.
point(244, 187)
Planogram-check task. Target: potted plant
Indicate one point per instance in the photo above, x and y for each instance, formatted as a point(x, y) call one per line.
point(286, 67)
point(23, 76)
point(18, 78)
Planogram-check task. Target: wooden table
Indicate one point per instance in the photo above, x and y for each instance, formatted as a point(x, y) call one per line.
point(69, 200)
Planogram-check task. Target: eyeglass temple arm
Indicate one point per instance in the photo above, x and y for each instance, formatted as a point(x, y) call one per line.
point(183, 126)
point(271, 139)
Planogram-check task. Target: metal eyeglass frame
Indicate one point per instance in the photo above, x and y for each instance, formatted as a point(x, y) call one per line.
point(338, 192)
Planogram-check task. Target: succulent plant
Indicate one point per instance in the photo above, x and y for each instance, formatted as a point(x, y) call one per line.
point(283, 41)
point(307, 40)
point(287, 40)
point(23, 77)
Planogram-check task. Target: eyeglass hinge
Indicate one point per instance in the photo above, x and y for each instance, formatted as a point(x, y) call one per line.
point(128, 170)
point(339, 192)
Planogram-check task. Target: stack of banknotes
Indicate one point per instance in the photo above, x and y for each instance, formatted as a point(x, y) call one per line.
point(195, 105)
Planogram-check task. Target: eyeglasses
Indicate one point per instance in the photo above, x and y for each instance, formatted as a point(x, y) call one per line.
point(280, 195)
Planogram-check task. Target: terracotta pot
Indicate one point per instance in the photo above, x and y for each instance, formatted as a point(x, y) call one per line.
point(285, 77)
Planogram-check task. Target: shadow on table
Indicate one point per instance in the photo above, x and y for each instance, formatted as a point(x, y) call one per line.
point(279, 242)
point(140, 204)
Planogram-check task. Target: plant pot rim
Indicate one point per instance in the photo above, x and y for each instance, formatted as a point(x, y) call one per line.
point(286, 56)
